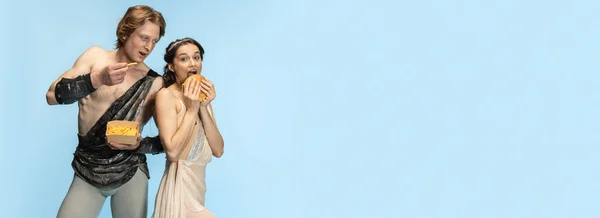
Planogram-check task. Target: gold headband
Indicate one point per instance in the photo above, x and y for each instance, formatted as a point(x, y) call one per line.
point(177, 43)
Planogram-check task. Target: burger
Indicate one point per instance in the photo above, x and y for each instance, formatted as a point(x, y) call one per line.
point(199, 78)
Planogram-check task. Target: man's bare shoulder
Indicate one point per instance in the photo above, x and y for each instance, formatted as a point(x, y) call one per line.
point(92, 54)
point(157, 84)
point(96, 50)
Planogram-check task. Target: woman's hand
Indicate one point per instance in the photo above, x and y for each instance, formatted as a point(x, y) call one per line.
point(208, 88)
point(191, 95)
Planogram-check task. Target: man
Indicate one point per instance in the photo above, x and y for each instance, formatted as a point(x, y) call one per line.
point(109, 85)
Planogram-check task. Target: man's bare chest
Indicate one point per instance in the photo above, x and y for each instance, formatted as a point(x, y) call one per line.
point(109, 94)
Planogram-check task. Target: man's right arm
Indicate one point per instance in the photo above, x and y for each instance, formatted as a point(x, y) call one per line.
point(77, 82)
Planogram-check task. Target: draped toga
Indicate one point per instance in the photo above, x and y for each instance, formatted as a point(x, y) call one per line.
point(96, 163)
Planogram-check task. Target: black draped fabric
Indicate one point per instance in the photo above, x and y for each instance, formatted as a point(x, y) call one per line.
point(98, 164)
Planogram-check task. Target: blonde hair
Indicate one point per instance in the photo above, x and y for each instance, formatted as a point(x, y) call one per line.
point(134, 18)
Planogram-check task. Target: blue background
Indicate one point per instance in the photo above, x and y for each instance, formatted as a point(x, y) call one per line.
point(457, 108)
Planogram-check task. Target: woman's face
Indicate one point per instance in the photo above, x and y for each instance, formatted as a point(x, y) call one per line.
point(187, 62)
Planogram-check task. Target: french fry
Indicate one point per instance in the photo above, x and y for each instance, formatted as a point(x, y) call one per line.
point(121, 131)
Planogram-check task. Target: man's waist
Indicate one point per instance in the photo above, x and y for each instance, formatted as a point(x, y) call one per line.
point(113, 161)
point(91, 141)
point(107, 177)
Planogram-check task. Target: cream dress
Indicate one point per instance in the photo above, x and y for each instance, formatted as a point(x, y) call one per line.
point(182, 188)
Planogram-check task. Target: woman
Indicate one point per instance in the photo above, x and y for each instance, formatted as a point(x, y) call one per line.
point(188, 131)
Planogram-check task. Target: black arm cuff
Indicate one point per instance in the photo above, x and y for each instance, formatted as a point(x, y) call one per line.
point(68, 91)
point(151, 145)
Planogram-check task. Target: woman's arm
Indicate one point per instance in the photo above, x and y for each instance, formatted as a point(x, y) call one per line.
point(174, 139)
point(213, 136)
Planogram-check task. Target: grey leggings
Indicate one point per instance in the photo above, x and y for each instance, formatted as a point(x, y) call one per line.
point(84, 200)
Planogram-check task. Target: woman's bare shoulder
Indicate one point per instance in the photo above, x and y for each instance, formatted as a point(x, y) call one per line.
point(164, 95)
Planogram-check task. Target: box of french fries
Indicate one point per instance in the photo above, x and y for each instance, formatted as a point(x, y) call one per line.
point(122, 131)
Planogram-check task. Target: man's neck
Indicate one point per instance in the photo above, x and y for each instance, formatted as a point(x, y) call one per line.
point(121, 57)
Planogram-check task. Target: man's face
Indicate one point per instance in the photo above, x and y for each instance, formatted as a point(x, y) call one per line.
point(142, 41)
